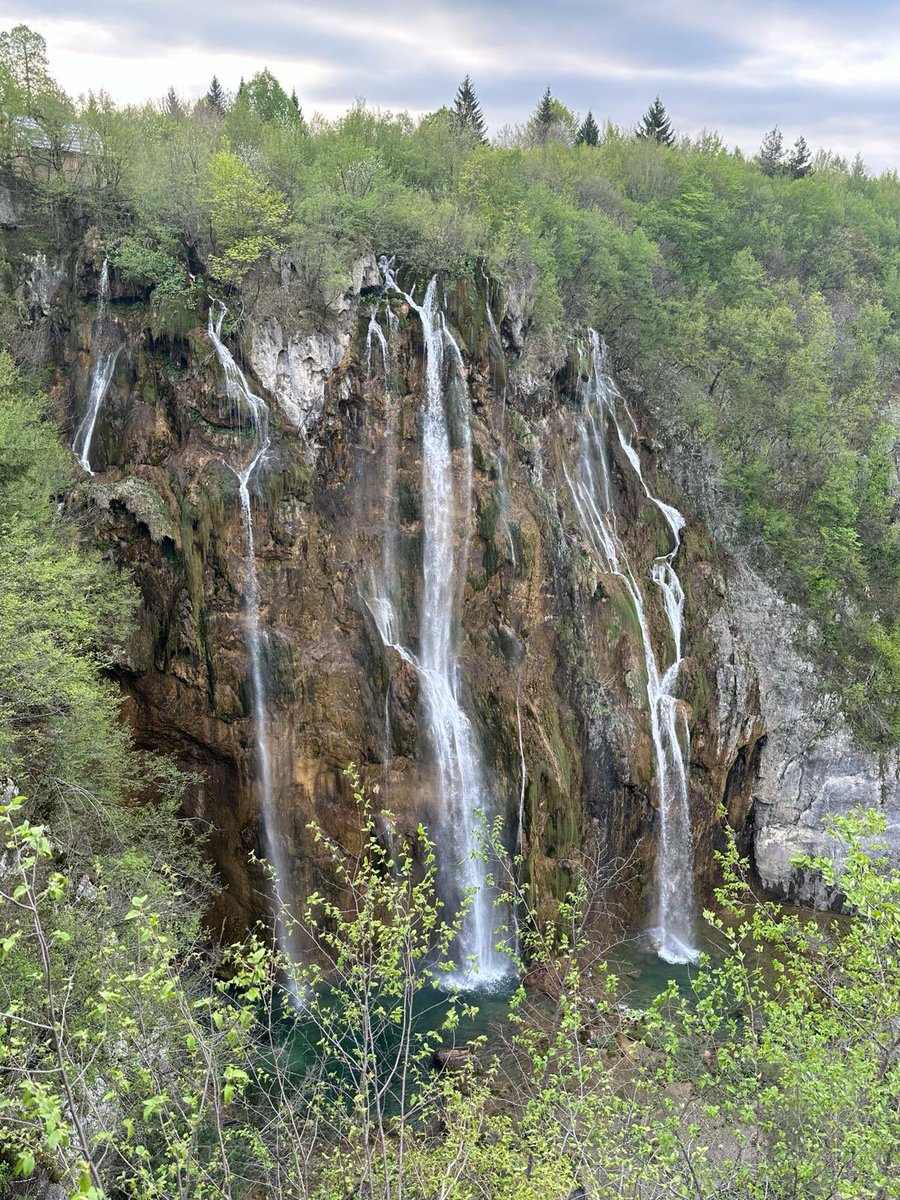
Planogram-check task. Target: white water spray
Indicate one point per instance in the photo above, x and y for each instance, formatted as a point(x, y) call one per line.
point(463, 796)
point(593, 496)
point(242, 398)
point(102, 370)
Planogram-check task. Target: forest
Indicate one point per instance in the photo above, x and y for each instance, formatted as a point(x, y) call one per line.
point(754, 303)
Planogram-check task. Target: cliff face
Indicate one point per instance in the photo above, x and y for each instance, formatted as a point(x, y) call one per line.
point(551, 663)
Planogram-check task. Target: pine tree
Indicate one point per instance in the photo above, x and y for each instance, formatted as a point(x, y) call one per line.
point(588, 134)
point(294, 100)
point(771, 153)
point(173, 104)
point(858, 168)
point(467, 115)
point(800, 161)
point(544, 112)
point(655, 124)
point(215, 97)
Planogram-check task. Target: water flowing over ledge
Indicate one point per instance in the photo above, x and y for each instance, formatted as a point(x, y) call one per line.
point(466, 806)
point(594, 498)
point(242, 398)
point(102, 369)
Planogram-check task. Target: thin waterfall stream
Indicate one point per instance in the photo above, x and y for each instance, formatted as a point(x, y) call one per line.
point(102, 368)
point(465, 804)
point(243, 398)
point(592, 493)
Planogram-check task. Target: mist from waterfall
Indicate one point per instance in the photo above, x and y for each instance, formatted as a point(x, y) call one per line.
point(103, 366)
point(465, 804)
point(243, 400)
point(594, 499)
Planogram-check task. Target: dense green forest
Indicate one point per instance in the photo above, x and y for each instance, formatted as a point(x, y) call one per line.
point(756, 302)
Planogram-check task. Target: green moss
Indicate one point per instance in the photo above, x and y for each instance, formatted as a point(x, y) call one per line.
point(488, 517)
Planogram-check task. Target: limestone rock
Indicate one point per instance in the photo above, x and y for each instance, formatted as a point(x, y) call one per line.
point(809, 766)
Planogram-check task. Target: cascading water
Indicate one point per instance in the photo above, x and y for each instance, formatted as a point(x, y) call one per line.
point(102, 368)
point(592, 493)
point(242, 399)
point(383, 595)
point(464, 799)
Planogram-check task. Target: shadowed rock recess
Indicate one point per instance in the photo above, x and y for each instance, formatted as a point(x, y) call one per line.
point(548, 665)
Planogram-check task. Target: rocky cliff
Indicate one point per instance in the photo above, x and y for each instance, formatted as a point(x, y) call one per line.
point(552, 667)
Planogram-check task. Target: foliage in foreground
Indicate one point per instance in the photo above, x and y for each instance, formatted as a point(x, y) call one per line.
point(778, 1076)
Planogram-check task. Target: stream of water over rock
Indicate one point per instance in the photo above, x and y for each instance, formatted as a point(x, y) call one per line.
point(466, 805)
point(102, 367)
point(243, 400)
point(590, 483)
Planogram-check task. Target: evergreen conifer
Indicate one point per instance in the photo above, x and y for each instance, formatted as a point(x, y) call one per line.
point(588, 133)
point(215, 97)
point(467, 115)
point(544, 113)
point(655, 124)
point(173, 104)
point(800, 161)
point(771, 153)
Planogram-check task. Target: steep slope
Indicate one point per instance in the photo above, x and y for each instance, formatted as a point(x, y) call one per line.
point(550, 666)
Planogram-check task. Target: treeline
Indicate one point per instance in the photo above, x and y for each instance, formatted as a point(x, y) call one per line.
point(755, 301)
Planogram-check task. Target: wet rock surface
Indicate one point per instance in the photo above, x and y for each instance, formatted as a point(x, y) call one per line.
point(548, 645)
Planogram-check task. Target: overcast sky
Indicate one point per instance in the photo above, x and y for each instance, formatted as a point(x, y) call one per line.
point(826, 69)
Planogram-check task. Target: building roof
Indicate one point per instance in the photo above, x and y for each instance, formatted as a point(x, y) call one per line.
point(76, 139)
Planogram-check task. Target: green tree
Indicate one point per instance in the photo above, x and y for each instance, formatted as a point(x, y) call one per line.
point(771, 153)
point(215, 97)
point(59, 729)
point(268, 99)
point(172, 106)
point(550, 122)
point(655, 124)
point(248, 219)
point(588, 133)
point(800, 161)
point(37, 113)
point(544, 116)
point(24, 65)
point(467, 114)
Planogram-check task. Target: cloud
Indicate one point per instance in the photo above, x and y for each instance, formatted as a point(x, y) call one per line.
point(812, 66)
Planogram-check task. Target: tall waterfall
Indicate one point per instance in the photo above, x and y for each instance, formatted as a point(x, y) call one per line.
point(244, 400)
point(464, 799)
point(594, 500)
point(102, 368)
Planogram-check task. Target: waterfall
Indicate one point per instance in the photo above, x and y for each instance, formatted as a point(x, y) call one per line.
point(384, 584)
point(593, 496)
point(103, 292)
point(242, 398)
point(463, 796)
point(102, 368)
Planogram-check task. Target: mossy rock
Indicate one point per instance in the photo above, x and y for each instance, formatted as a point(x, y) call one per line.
point(145, 503)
